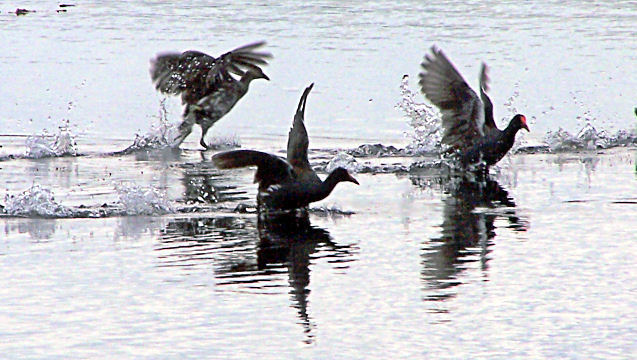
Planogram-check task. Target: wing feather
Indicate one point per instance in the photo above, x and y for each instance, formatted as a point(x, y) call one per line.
point(271, 169)
point(298, 140)
point(193, 74)
point(461, 108)
point(489, 121)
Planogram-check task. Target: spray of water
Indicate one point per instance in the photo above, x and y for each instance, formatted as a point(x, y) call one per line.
point(162, 133)
point(588, 138)
point(43, 145)
point(137, 200)
point(35, 201)
point(424, 119)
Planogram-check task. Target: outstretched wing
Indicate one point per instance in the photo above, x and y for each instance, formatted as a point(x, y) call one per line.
point(298, 141)
point(271, 169)
point(489, 122)
point(462, 113)
point(195, 74)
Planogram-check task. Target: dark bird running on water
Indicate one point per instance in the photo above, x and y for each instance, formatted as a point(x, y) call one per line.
point(467, 120)
point(205, 83)
point(286, 184)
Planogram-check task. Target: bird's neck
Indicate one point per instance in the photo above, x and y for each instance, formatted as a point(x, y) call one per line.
point(511, 130)
point(325, 188)
point(244, 83)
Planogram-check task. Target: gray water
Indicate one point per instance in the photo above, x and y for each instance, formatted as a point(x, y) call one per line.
point(144, 256)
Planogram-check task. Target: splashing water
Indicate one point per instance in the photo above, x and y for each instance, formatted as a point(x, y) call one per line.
point(588, 138)
point(331, 211)
point(224, 142)
point(424, 119)
point(164, 134)
point(344, 160)
point(137, 200)
point(161, 135)
point(46, 145)
point(35, 201)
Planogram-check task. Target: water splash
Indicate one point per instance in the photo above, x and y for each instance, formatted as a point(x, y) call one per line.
point(344, 160)
point(379, 150)
point(162, 134)
point(35, 201)
point(331, 211)
point(424, 119)
point(137, 200)
point(221, 142)
point(45, 145)
point(588, 138)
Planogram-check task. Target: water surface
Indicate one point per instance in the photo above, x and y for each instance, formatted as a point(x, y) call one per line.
point(144, 256)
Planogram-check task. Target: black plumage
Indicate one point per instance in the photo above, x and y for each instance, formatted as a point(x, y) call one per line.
point(467, 120)
point(206, 84)
point(290, 183)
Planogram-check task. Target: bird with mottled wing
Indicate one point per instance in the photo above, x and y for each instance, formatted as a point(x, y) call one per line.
point(206, 84)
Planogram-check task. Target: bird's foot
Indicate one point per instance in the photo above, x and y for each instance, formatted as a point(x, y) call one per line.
point(203, 143)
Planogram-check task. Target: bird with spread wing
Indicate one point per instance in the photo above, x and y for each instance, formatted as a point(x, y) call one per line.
point(286, 184)
point(206, 84)
point(467, 120)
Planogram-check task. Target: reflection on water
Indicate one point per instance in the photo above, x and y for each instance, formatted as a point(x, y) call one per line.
point(39, 229)
point(468, 231)
point(254, 257)
point(290, 240)
point(204, 184)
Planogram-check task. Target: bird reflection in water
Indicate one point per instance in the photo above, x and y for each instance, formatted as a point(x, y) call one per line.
point(284, 242)
point(467, 234)
point(291, 240)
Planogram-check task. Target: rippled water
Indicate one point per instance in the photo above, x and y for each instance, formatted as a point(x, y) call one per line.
point(128, 250)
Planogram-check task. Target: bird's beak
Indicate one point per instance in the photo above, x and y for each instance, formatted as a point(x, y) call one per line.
point(266, 77)
point(524, 126)
point(351, 179)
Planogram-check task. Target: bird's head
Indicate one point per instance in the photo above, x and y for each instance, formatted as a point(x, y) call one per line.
point(341, 174)
point(256, 73)
point(520, 121)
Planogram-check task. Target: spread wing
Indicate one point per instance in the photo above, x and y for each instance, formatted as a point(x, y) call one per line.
point(489, 122)
point(298, 141)
point(195, 74)
point(271, 169)
point(462, 113)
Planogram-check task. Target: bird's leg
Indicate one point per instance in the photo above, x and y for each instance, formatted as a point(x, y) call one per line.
point(200, 117)
point(185, 127)
point(204, 130)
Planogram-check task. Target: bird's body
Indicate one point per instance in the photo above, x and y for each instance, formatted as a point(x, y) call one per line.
point(286, 184)
point(207, 88)
point(469, 126)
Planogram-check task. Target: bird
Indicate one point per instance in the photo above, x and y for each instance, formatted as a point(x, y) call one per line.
point(469, 129)
point(286, 183)
point(207, 88)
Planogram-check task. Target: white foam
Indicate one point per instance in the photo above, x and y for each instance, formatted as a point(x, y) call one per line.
point(344, 160)
point(588, 138)
point(137, 200)
point(45, 145)
point(35, 201)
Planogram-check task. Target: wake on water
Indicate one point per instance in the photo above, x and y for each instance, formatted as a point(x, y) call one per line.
point(38, 201)
point(163, 135)
point(423, 118)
